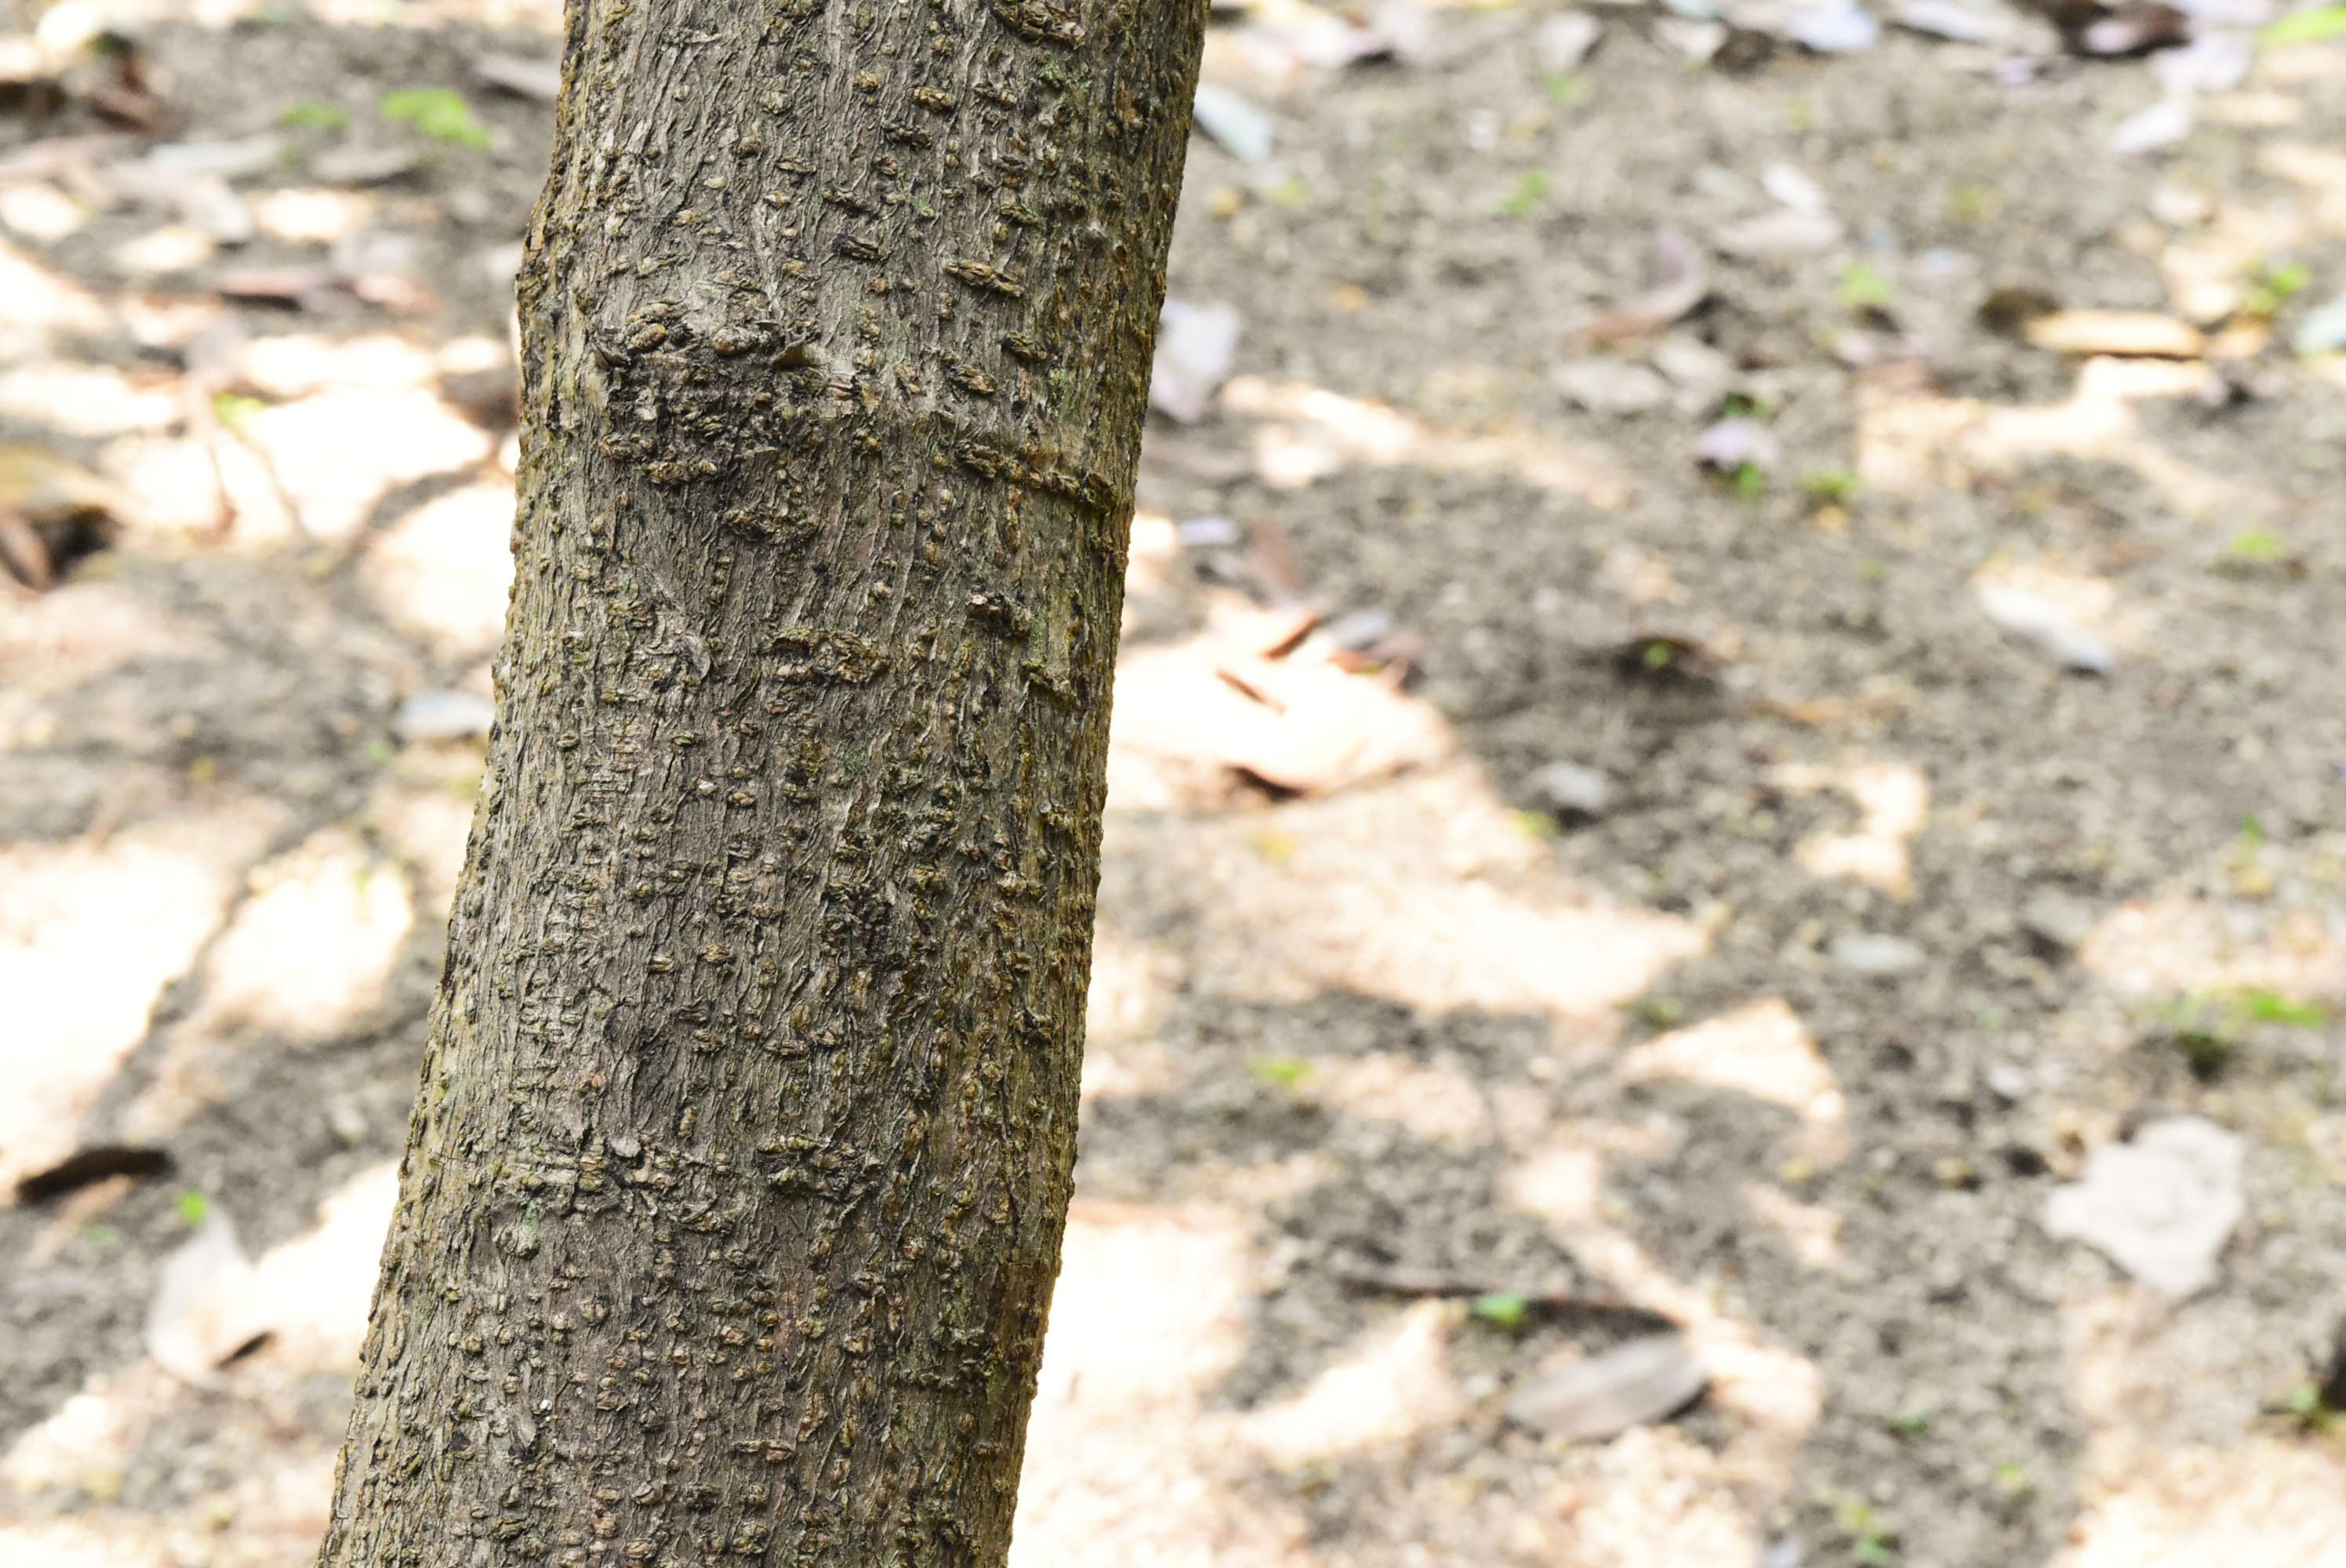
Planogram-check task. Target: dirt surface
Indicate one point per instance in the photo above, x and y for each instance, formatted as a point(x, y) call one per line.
point(1873, 924)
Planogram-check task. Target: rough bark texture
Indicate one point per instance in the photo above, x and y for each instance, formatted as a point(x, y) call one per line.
point(734, 1194)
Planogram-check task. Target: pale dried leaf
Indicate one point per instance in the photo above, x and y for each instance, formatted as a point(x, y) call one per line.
point(1630, 1385)
point(205, 1307)
point(2161, 1207)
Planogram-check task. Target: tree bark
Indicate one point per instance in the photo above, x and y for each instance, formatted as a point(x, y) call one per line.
point(734, 1194)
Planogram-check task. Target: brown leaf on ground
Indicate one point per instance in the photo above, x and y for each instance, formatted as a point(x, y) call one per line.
point(1681, 284)
point(51, 514)
point(87, 1167)
point(297, 288)
point(124, 106)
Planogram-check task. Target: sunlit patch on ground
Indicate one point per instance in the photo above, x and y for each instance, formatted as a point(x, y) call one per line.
point(303, 958)
point(311, 217)
point(1131, 989)
point(2256, 1504)
point(86, 400)
point(2178, 1472)
point(1439, 1103)
point(426, 827)
point(297, 365)
point(2175, 946)
point(1311, 432)
point(43, 305)
point(1893, 801)
point(1909, 442)
point(1762, 1050)
point(40, 212)
point(1812, 1230)
point(1389, 1388)
point(337, 452)
point(178, 485)
point(1425, 889)
point(90, 935)
point(1127, 1462)
point(309, 948)
point(443, 572)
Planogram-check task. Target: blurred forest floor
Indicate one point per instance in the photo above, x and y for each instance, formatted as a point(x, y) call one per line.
point(1738, 675)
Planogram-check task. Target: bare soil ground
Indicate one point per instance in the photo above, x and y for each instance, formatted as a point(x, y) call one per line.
point(1874, 922)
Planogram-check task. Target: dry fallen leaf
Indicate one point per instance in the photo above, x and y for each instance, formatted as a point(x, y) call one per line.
point(23, 555)
point(1630, 1385)
point(52, 512)
point(2038, 620)
point(2161, 1207)
point(2136, 28)
point(1267, 697)
point(1195, 346)
point(1682, 283)
point(1318, 729)
point(540, 81)
point(206, 1306)
point(297, 288)
point(88, 1167)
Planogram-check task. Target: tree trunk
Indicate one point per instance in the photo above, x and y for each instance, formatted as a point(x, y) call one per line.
point(734, 1194)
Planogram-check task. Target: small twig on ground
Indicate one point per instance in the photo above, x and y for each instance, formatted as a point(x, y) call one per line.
point(1398, 1281)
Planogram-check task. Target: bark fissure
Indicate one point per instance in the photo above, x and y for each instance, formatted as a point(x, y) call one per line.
point(735, 1188)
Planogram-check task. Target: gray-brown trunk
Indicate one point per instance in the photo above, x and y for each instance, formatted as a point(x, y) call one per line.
point(734, 1194)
